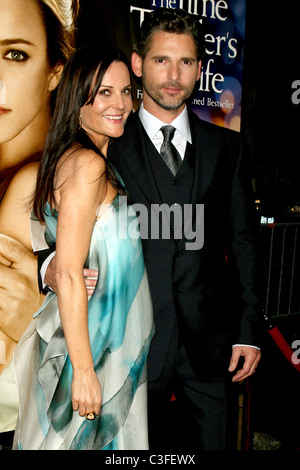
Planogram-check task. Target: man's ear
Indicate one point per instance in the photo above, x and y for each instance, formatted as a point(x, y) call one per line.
point(137, 64)
point(55, 76)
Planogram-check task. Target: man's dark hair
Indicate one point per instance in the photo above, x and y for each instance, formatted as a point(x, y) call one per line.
point(170, 21)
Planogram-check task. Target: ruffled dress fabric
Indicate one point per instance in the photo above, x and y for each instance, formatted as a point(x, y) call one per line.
point(120, 327)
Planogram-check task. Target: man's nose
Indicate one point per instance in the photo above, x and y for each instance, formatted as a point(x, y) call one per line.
point(173, 72)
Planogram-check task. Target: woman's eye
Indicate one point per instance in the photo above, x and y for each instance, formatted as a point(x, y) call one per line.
point(104, 92)
point(127, 91)
point(16, 56)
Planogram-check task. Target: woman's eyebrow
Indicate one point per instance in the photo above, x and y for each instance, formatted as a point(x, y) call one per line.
point(9, 42)
point(111, 86)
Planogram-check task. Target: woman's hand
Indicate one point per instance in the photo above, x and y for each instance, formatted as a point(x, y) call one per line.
point(86, 392)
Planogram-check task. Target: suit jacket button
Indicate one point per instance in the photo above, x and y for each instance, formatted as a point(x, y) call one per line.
point(175, 182)
point(177, 293)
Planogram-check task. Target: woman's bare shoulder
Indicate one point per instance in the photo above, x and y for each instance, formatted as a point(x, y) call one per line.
point(81, 163)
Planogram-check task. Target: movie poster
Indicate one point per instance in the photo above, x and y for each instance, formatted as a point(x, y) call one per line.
point(218, 94)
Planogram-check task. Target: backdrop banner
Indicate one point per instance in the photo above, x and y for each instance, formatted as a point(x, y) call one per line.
point(218, 95)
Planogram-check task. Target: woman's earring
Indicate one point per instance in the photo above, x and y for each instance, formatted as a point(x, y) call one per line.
point(80, 122)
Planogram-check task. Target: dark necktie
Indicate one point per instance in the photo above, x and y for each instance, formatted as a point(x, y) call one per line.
point(168, 152)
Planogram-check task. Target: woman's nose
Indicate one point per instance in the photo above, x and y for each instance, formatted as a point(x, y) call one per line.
point(119, 102)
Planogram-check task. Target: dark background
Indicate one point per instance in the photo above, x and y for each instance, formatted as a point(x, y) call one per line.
point(271, 120)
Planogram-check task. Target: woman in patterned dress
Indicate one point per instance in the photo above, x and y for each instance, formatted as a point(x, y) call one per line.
point(80, 358)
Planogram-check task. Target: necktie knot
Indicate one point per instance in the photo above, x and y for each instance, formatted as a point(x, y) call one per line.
point(168, 133)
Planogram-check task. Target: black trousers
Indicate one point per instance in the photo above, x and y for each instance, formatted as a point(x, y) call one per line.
point(197, 418)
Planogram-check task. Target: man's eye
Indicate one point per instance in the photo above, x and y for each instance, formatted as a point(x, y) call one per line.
point(16, 56)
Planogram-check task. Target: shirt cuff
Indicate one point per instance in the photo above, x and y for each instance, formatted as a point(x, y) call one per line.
point(248, 346)
point(44, 269)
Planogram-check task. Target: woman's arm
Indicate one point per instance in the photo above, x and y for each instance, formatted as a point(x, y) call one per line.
point(82, 187)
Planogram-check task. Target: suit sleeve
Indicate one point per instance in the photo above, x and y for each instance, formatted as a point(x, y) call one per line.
point(245, 250)
point(41, 249)
point(44, 258)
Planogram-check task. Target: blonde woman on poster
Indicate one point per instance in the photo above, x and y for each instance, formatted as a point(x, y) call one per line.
point(36, 38)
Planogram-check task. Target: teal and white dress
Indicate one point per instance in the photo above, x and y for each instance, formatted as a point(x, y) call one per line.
point(120, 328)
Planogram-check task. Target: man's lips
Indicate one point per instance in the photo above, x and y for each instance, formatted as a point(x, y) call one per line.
point(172, 89)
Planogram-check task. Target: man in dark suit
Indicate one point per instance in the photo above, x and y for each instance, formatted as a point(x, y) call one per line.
point(204, 297)
point(204, 303)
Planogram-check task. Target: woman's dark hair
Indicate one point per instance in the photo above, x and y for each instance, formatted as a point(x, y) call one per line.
point(170, 21)
point(79, 84)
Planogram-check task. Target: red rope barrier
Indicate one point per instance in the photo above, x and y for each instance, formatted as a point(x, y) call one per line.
point(284, 347)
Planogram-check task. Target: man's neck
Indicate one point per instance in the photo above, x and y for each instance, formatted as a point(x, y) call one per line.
point(160, 113)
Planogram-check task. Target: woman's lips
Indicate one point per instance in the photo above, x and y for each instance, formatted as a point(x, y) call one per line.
point(3, 111)
point(115, 118)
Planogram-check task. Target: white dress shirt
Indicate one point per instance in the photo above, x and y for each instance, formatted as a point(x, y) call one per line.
point(152, 126)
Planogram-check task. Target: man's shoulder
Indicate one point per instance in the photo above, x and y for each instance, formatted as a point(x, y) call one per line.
point(132, 127)
point(213, 130)
point(133, 121)
point(124, 145)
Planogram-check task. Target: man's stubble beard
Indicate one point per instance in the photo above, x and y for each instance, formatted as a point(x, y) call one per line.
point(165, 102)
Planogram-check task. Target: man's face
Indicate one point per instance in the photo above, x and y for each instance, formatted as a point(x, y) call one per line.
point(169, 72)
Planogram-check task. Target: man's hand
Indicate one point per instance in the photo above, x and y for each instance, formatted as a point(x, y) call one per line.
point(90, 278)
point(251, 359)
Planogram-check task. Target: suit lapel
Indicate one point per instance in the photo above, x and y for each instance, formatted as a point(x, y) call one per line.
point(205, 158)
point(133, 152)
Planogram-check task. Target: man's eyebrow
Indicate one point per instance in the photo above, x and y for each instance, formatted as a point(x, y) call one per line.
point(191, 59)
point(9, 42)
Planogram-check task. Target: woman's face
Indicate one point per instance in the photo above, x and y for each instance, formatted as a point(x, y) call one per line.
point(106, 117)
point(26, 79)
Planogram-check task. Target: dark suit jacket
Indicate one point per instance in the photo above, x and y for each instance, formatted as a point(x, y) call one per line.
point(211, 292)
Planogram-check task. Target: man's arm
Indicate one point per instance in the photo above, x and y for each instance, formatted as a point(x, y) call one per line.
point(47, 274)
point(245, 231)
